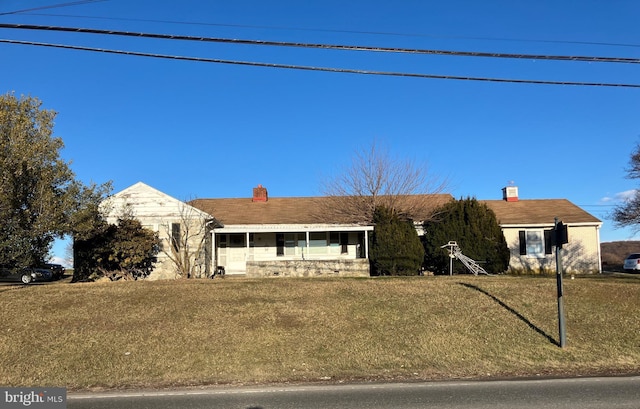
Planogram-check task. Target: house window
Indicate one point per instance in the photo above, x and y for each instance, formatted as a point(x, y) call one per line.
point(222, 241)
point(334, 242)
point(290, 242)
point(318, 243)
point(175, 236)
point(338, 242)
point(237, 240)
point(534, 243)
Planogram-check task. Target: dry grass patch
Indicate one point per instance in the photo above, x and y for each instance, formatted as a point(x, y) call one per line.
point(154, 334)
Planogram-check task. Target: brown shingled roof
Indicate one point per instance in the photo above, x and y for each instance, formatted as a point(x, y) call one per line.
point(538, 211)
point(285, 210)
point(277, 210)
point(304, 210)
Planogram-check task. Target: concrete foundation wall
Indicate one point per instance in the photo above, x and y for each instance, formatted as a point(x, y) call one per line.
point(308, 268)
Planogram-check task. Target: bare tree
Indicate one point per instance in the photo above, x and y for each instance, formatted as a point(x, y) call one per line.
point(375, 178)
point(188, 239)
point(628, 213)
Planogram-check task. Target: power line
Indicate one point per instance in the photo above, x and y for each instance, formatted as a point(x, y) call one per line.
point(73, 3)
point(325, 46)
point(325, 69)
point(381, 33)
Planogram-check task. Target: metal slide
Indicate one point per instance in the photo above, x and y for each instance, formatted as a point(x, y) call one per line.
point(470, 264)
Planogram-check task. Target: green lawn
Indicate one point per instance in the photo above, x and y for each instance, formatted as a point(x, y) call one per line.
point(238, 331)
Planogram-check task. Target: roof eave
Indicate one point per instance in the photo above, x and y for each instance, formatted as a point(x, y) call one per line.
point(572, 224)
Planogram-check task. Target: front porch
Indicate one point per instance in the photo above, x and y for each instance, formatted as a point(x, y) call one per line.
point(291, 250)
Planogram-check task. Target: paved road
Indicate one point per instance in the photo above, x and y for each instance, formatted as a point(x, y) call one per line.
point(575, 393)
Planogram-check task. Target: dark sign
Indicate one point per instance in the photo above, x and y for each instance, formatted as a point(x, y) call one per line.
point(559, 235)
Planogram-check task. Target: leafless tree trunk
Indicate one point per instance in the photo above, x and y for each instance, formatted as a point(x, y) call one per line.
point(374, 178)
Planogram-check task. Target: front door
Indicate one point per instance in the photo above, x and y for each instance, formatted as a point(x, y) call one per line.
point(232, 252)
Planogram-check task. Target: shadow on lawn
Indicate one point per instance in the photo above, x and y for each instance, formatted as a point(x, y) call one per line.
point(514, 312)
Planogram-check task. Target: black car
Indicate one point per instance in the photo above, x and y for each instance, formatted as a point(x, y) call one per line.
point(57, 270)
point(24, 275)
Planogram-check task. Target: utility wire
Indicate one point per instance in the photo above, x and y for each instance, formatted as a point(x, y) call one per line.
point(325, 46)
point(325, 69)
point(381, 33)
point(53, 6)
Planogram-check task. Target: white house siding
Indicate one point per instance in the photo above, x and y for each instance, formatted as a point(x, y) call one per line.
point(580, 255)
point(156, 211)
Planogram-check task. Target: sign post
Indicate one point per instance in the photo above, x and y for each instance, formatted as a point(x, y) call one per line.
point(560, 237)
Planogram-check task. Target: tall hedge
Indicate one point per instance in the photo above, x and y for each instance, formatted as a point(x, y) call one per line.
point(476, 230)
point(395, 246)
point(125, 249)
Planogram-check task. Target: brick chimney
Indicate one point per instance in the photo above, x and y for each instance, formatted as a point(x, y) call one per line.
point(510, 193)
point(260, 194)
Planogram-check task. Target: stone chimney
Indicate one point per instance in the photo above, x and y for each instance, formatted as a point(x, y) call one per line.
point(260, 194)
point(510, 193)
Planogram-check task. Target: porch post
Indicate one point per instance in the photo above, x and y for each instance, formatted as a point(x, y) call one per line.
point(214, 251)
point(247, 249)
point(366, 244)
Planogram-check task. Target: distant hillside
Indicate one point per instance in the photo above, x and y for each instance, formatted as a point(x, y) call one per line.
point(614, 253)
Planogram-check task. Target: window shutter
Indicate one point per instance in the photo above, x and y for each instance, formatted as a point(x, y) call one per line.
point(548, 247)
point(523, 242)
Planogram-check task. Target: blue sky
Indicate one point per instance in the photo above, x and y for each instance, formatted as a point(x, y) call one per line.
point(195, 129)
